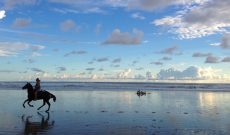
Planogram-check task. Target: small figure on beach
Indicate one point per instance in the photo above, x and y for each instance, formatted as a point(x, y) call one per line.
point(140, 93)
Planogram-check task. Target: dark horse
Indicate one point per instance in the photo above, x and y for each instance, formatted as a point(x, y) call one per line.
point(45, 95)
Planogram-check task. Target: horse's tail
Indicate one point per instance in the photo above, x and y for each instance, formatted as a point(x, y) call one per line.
point(52, 96)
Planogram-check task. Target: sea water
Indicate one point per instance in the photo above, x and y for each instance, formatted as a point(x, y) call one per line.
point(116, 109)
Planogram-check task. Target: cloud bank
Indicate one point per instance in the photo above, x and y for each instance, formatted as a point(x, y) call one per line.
point(206, 18)
point(190, 73)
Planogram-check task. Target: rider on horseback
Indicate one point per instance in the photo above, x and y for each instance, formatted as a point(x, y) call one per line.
point(37, 88)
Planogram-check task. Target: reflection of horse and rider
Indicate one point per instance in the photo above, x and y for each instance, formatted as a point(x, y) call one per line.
point(32, 127)
point(37, 94)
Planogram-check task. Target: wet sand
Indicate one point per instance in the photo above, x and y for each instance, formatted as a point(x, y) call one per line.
point(118, 112)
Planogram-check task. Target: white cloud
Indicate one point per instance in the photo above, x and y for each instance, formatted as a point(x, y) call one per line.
point(80, 6)
point(36, 54)
point(117, 60)
point(90, 69)
point(96, 6)
point(13, 48)
point(212, 59)
point(225, 43)
point(102, 59)
point(29, 61)
point(125, 38)
point(199, 54)
point(72, 2)
point(151, 5)
point(65, 10)
point(149, 76)
point(61, 69)
point(191, 73)
point(137, 16)
point(205, 19)
point(10, 4)
point(139, 77)
point(75, 53)
point(94, 10)
point(21, 22)
point(35, 48)
point(171, 50)
point(37, 70)
point(209, 73)
point(157, 63)
point(166, 58)
point(2, 14)
point(68, 25)
point(116, 3)
point(98, 29)
point(215, 44)
point(134, 62)
point(124, 74)
point(140, 68)
point(7, 71)
point(116, 65)
point(94, 77)
point(226, 59)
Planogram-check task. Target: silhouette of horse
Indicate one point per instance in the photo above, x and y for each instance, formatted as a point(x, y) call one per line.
point(45, 95)
point(37, 127)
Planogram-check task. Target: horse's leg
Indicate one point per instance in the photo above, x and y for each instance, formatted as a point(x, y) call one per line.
point(42, 105)
point(24, 103)
point(48, 105)
point(30, 104)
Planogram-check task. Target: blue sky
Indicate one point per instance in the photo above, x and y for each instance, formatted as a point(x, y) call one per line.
point(115, 40)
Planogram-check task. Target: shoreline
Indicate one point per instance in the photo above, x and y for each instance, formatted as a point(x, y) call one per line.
point(132, 82)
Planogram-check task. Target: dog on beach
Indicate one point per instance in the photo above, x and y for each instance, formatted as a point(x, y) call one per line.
point(141, 93)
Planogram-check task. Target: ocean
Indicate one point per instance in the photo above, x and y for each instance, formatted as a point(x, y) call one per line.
point(120, 86)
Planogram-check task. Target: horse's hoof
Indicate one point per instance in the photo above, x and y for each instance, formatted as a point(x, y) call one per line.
point(24, 107)
point(47, 110)
point(31, 106)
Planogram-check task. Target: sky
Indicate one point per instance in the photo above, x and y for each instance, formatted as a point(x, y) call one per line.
point(115, 40)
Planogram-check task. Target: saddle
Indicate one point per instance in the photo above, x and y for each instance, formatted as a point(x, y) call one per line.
point(38, 94)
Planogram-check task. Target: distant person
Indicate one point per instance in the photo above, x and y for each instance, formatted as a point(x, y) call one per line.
point(37, 87)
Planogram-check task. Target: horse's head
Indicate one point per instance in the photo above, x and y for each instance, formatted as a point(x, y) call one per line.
point(27, 86)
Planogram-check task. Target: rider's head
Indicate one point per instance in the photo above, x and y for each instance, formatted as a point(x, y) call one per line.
point(37, 80)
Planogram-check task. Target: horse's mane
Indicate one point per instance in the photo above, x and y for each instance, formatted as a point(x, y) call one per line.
point(30, 85)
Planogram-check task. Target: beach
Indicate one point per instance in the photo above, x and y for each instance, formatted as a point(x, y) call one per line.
point(115, 67)
point(85, 112)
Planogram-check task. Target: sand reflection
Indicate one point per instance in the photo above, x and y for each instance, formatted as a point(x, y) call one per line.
point(207, 99)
